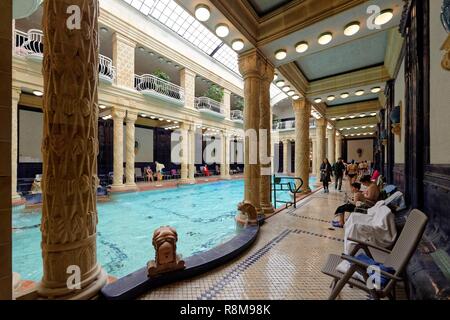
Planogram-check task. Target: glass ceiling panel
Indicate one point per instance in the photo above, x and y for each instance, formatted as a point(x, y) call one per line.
point(173, 16)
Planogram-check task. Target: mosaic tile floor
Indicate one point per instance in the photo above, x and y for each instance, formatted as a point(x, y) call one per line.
point(284, 263)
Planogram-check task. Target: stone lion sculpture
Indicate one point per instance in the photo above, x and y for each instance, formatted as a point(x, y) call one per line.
point(249, 210)
point(166, 258)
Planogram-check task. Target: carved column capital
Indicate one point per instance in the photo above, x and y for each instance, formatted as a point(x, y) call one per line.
point(131, 117)
point(446, 58)
point(118, 114)
point(251, 63)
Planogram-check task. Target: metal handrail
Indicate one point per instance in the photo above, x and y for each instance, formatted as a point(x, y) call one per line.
point(204, 103)
point(106, 67)
point(286, 186)
point(149, 82)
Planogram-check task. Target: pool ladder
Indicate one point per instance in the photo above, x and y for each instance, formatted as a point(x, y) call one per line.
point(277, 185)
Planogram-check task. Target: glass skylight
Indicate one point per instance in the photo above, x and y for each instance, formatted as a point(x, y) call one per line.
point(173, 16)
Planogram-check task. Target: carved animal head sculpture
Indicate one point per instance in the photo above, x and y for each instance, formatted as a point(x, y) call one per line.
point(250, 210)
point(165, 243)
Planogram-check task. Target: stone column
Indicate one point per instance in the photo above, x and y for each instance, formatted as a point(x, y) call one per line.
point(6, 290)
point(331, 145)
point(286, 162)
point(14, 144)
point(191, 142)
point(184, 153)
point(265, 127)
point(226, 101)
point(225, 164)
point(118, 117)
point(321, 142)
point(302, 110)
point(130, 146)
point(70, 150)
point(187, 82)
point(123, 60)
point(250, 64)
point(339, 146)
point(314, 156)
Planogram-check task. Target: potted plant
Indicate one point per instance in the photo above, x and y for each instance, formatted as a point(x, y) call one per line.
point(215, 93)
point(239, 104)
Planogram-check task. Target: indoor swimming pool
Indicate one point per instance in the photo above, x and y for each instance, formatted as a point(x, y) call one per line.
point(203, 214)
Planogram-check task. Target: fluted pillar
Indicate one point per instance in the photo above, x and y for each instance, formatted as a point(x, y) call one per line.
point(69, 151)
point(225, 163)
point(250, 64)
point(191, 142)
point(331, 154)
point(321, 142)
point(302, 110)
point(265, 130)
point(286, 162)
point(14, 144)
point(118, 118)
point(131, 118)
point(314, 156)
point(339, 146)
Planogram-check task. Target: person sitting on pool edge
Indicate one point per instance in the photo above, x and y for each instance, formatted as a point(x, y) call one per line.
point(350, 206)
point(149, 173)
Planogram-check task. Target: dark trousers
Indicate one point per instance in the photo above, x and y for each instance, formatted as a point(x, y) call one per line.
point(348, 207)
point(339, 182)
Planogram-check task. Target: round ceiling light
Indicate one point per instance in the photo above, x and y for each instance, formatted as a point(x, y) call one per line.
point(222, 30)
point(352, 28)
point(102, 106)
point(280, 83)
point(359, 93)
point(280, 54)
point(362, 115)
point(318, 100)
point(286, 88)
point(373, 114)
point(345, 95)
point(104, 29)
point(331, 98)
point(352, 117)
point(384, 17)
point(202, 12)
point(333, 119)
point(325, 38)
point(375, 90)
point(301, 47)
point(38, 93)
point(291, 93)
point(296, 97)
point(237, 45)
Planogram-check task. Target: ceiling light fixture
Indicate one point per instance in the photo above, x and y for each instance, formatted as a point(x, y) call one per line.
point(237, 45)
point(280, 83)
point(333, 119)
point(352, 117)
point(301, 47)
point(280, 54)
point(286, 89)
point(318, 100)
point(373, 114)
point(345, 95)
point(375, 90)
point(384, 17)
point(222, 30)
point(325, 38)
point(352, 28)
point(202, 12)
point(296, 97)
point(275, 77)
point(331, 98)
point(362, 115)
point(104, 29)
point(291, 93)
point(38, 93)
point(102, 106)
point(359, 93)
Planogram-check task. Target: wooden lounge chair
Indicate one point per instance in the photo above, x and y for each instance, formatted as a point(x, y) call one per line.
point(398, 258)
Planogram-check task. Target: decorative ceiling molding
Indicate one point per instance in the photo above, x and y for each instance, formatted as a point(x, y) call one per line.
point(349, 80)
point(293, 74)
point(354, 108)
point(369, 121)
point(393, 52)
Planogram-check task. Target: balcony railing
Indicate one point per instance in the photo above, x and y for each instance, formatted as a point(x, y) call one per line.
point(106, 70)
point(237, 116)
point(152, 85)
point(290, 125)
point(29, 44)
point(204, 104)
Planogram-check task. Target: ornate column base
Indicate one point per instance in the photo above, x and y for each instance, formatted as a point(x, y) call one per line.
point(123, 188)
point(86, 293)
point(268, 210)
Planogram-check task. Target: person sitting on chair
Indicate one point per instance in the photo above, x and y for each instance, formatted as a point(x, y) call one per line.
point(206, 171)
point(350, 206)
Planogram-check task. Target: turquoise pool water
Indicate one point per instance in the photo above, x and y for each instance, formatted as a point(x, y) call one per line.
point(202, 214)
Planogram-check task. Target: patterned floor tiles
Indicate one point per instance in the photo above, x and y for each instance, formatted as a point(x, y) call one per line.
point(284, 264)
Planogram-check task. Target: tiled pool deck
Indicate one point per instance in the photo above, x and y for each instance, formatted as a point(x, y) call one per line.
point(283, 264)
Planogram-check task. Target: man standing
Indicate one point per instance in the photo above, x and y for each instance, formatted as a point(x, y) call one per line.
point(339, 169)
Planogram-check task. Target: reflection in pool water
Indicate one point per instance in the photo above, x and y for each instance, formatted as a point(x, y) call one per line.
point(202, 214)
